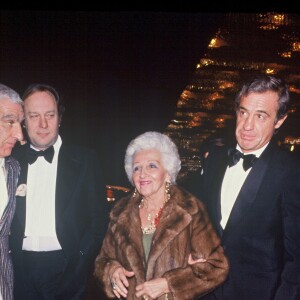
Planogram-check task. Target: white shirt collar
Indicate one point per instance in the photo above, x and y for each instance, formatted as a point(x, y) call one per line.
point(56, 145)
point(2, 159)
point(257, 153)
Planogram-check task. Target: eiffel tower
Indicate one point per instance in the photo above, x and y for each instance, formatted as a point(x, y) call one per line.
point(246, 44)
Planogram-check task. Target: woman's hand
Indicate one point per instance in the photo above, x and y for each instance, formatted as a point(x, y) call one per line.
point(119, 282)
point(152, 289)
point(191, 261)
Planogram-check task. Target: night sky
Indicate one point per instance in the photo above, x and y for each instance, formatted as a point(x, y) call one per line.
point(119, 73)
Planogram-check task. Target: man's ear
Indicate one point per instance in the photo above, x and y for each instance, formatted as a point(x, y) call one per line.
point(280, 122)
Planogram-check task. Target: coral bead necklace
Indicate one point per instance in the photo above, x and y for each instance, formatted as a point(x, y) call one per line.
point(152, 218)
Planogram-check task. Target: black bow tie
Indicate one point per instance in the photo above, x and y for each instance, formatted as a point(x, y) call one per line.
point(32, 154)
point(235, 155)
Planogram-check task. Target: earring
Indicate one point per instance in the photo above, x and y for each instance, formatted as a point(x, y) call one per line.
point(167, 189)
point(134, 193)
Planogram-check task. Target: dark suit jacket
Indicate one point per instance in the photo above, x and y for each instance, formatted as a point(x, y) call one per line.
point(261, 238)
point(81, 211)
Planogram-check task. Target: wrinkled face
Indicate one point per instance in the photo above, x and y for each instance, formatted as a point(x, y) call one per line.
point(41, 119)
point(11, 116)
point(256, 120)
point(149, 175)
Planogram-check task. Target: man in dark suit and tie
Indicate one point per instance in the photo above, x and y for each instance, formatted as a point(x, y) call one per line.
point(62, 216)
point(252, 193)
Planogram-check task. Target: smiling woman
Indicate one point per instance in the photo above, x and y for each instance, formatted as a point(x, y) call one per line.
point(139, 257)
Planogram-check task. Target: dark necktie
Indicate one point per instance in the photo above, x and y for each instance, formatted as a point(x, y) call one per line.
point(32, 154)
point(235, 155)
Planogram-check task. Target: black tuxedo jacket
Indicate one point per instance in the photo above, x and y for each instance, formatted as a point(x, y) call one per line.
point(261, 238)
point(80, 206)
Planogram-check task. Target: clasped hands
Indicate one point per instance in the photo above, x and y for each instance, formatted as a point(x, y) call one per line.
point(151, 289)
point(148, 290)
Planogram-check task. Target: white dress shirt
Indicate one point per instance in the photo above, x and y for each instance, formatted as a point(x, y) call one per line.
point(40, 233)
point(3, 187)
point(233, 180)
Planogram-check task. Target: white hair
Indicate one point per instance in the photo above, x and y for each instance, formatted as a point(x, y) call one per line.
point(11, 94)
point(160, 142)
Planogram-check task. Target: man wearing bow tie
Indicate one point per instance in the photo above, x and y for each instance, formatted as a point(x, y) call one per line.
point(252, 195)
point(60, 223)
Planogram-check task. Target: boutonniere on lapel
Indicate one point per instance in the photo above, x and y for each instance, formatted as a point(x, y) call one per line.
point(21, 190)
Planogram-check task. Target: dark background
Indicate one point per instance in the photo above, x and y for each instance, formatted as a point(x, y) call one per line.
point(120, 73)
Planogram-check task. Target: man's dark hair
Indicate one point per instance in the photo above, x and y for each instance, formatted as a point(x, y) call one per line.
point(262, 84)
point(39, 87)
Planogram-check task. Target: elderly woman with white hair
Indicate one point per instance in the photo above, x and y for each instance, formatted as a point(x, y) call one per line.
point(160, 243)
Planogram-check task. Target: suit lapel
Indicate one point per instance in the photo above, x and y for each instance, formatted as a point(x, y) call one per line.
point(68, 170)
point(215, 170)
point(13, 169)
point(248, 192)
point(66, 181)
point(21, 200)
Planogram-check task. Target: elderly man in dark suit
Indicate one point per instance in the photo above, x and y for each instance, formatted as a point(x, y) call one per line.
point(252, 193)
point(11, 116)
point(61, 218)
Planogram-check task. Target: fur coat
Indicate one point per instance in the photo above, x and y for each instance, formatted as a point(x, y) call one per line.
point(183, 228)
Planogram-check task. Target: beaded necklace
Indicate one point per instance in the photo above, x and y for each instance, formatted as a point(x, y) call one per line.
point(154, 219)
